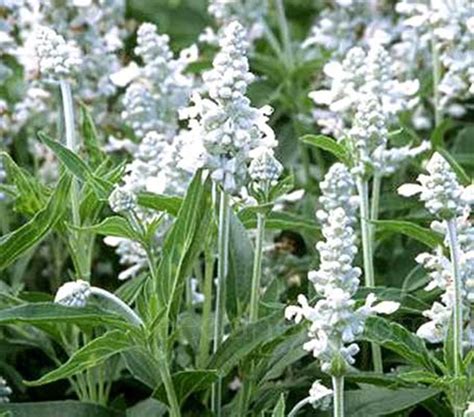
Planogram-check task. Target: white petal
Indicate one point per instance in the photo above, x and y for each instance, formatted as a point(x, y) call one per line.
point(409, 190)
point(321, 96)
point(113, 240)
point(126, 75)
point(386, 307)
point(468, 194)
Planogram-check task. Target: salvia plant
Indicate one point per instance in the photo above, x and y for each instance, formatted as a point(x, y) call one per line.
point(236, 208)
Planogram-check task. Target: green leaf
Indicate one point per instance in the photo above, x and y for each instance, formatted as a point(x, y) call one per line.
point(437, 137)
point(16, 243)
point(114, 226)
point(160, 202)
point(77, 166)
point(50, 313)
point(328, 144)
point(426, 236)
point(30, 195)
point(94, 353)
point(419, 377)
point(463, 178)
point(395, 337)
point(279, 410)
point(59, 409)
point(239, 277)
point(90, 136)
point(377, 401)
point(283, 187)
point(143, 366)
point(183, 243)
point(244, 341)
point(147, 408)
point(186, 383)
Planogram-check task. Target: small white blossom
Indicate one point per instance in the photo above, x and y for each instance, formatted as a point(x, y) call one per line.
point(264, 167)
point(73, 294)
point(320, 396)
point(122, 200)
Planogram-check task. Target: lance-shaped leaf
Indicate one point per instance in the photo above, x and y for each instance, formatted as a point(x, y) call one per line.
point(328, 144)
point(77, 166)
point(183, 243)
point(426, 236)
point(160, 202)
point(16, 243)
point(94, 353)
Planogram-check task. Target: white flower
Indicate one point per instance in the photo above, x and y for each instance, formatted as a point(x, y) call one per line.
point(56, 57)
point(125, 75)
point(122, 200)
point(440, 190)
point(264, 167)
point(73, 294)
point(320, 396)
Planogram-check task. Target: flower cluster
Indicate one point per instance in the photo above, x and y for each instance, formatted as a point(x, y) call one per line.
point(73, 294)
point(335, 320)
point(338, 190)
point(440, 190)
point(264, 169)
point(56, 57)
point(159, 88)
point(250, 13)
point(229, 127)
point(348, 23)
point(452, 25)
point(445, 198)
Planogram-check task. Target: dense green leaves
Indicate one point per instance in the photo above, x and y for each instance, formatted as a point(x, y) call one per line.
point(279, 410)
point(15, 244)
point(94, 353)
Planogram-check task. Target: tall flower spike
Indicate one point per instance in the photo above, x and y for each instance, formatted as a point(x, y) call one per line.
point(335, 322)
point(229, 127)
point(439, 190)
point(56, 57)
point(338, 190)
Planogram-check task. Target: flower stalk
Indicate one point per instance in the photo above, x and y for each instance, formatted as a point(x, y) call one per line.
point(222, 266)
point(257, 268)
point(458, 302)
point(338, 399)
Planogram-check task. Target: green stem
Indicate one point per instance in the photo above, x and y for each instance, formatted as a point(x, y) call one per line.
point(362, 187)
point(206, 310)
point(257, 268)
point(299, 406)
point(338, 393)
point(458, 302)
point(375, 203)
point(222, 268)
point(367, 249)
point(285, 32)
point(436, 68)
point(79, 252)
point(169, 386)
